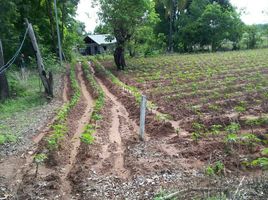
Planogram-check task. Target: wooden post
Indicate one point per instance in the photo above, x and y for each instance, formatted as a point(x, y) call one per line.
point(47, 81)
point(142, 117)
point(4, 89)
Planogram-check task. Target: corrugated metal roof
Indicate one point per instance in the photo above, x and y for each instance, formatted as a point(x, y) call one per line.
point(101, 39)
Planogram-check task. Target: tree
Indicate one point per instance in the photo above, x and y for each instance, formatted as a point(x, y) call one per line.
point(123, 17)
point(216, 24)
point(173, 9)
point(4, 90)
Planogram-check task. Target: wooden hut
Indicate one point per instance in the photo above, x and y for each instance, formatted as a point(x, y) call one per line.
point(98, 44)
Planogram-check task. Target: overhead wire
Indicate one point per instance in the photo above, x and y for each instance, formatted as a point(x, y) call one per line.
point(12, 60)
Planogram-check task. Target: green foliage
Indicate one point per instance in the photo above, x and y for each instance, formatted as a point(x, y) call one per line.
point(215, 129)
point(264, 151)
point(163, 117)
point(250, 140)
point(8, 138)
point(196, 136)
point(261, 162)
point(40, 158)
point(215, 169)
point(26, 94)
point(60, 128)
point(233, 128)
point(130, 14)
point(231, 138)
point(41, 15)
point(261, 121)
point(96, 117)
point(205, 23)
point(210, 171)
point(240, 109)
point(87, 136)
point(75, 87)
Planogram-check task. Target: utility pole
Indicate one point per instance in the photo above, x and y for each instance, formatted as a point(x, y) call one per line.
point(47, 81)
point(58, 31)
point(4, 90)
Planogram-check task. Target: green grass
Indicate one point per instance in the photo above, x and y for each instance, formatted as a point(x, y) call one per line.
point(7, 138)
point(23, 94)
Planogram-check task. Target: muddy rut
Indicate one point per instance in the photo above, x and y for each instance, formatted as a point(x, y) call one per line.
point(82, 122)
point(121, 129)
point(52, 181)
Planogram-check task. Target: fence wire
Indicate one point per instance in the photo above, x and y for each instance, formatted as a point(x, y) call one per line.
point(13, 59)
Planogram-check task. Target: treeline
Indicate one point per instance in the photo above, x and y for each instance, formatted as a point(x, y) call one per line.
point(41, 14)
point(189, 26)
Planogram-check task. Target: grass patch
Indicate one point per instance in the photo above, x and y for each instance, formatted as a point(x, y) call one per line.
point(7, 138)
point(25, 94)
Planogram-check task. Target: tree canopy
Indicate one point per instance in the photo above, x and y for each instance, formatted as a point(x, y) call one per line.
point(124, 18)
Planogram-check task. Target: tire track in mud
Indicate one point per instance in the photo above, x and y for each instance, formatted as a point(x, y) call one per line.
point(82, 122)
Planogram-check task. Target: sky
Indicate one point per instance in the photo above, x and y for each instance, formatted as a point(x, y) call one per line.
point(253, 12)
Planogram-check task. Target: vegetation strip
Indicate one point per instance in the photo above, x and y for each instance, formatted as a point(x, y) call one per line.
point(87, 136)
point(60, 126)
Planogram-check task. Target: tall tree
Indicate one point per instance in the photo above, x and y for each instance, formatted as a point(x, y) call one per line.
point(173, 9)
point(124, 17)
point(4, 90)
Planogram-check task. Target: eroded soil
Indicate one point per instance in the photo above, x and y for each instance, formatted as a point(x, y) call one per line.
point(120, 166)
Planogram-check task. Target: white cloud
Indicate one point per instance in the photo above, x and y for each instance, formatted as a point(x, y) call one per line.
point(87, 14)
point(255, 10)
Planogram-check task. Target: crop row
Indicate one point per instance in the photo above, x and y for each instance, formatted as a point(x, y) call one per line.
point(87, 136)
point(59, 129)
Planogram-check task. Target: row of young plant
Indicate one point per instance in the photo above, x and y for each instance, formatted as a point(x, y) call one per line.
point(185, 62)
point(99, 68)
point(159, 71)
point(87, 136)
point(59, 129)
point(234, 139)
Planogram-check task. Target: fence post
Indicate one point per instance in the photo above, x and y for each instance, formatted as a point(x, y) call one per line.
point(142, 117)
point(48, 85)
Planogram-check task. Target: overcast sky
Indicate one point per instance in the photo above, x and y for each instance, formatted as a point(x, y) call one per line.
point(254, 12)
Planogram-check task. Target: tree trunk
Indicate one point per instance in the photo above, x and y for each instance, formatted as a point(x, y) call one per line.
point(119, 57)
point(62, 21)
point(4, 89)
point(51, 23)
point(170, 35)
point(171, 21)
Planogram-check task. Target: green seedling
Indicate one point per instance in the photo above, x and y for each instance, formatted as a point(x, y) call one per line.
point(87, 136)
point(38, 160)
point(233, 128)
point(216, 129)
point(230, 140)
point(196, 136)
point(216, 168)
point(250, 140)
